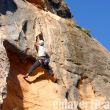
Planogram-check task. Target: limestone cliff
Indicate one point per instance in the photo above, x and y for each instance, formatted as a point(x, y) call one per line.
point(80, 63)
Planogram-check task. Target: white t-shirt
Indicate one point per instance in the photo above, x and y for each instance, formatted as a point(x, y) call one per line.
point(41, 51)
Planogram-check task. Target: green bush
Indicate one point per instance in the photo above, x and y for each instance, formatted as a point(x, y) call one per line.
point(87, 31)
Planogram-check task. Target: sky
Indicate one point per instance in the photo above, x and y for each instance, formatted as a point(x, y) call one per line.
point(93, 15)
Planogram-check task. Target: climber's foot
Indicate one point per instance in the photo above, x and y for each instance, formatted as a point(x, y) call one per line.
point(26, 76)
point(50, 73)
point(53, 77)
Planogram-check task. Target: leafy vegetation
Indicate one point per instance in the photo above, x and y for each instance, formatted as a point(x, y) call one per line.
point(87, 31)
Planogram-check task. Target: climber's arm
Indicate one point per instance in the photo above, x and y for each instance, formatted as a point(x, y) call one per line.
point(36, 45)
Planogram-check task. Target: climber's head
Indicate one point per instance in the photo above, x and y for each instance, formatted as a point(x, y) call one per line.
point(41, 42)
point(39, 36)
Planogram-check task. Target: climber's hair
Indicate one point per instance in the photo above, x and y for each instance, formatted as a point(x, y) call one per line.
point(40, 37)
point(36, 38)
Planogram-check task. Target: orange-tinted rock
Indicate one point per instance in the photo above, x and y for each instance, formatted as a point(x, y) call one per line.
point(39, 92)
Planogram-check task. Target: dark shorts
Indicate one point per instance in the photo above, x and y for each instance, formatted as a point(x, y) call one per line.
point(41, 61)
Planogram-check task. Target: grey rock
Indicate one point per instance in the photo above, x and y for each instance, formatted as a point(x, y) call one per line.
point(73, 53)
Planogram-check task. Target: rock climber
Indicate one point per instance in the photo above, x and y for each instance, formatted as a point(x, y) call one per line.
point(43, 58)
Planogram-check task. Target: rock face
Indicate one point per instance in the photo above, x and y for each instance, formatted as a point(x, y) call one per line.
point(79, 62)
point(55, 6)
point(4, 70)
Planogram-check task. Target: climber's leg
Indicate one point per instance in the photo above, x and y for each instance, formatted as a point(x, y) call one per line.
point(50, 72)
point(33, 67)
point(49, 69)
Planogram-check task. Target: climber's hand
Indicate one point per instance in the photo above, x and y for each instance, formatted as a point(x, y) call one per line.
point(36, 44)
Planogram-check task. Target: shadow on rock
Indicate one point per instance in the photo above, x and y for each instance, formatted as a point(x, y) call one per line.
point(7, 5)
